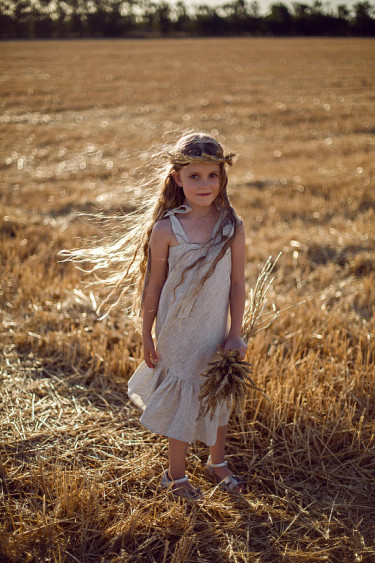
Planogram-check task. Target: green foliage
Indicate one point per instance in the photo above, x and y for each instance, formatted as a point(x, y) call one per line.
point(142, 18)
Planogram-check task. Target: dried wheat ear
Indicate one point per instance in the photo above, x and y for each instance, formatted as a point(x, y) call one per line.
point(227, 380)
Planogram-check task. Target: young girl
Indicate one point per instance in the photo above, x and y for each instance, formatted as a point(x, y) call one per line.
point(194, 249)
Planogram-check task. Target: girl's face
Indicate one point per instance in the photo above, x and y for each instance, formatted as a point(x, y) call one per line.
point(200, 182)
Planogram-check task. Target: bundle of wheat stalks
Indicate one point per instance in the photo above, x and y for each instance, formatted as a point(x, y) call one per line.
point(228, 377)
point(227, 380)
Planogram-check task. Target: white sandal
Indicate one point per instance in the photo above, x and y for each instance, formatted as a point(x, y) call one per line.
point(166, 483)
point(230, 482)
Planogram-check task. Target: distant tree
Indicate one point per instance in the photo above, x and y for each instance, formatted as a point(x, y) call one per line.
point(113, 22)
point(44, 24)
point(59, 19)
point(121, 18)
point(22, 15)
point(254, 9)
point(163, 18)
point(254, 21)
point(148, 18)
point(183, 20)
point(342, 21)
point(363, 10)
point(237, 16)
point(7, 21)
point(364, 24)
point(301, 10)
point(343, 12)
point(75, 17)
point(322, 23)
point(236, 9)
point(279, 21)
point(316, 7)
point(96, 19)
point(302, 19)
point(208, 22)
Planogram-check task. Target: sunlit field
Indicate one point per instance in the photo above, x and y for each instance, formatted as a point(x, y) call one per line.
point(80, 475)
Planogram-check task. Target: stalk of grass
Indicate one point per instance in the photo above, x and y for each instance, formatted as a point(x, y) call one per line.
point(255, 319)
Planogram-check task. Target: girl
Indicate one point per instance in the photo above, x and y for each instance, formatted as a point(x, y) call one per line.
point(194, 250)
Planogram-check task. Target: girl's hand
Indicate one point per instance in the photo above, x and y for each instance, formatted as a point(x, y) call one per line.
point(235, 343)
point(150, 354)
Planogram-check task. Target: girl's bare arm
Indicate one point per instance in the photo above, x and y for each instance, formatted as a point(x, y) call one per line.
point(159, 247)
point(237, 294)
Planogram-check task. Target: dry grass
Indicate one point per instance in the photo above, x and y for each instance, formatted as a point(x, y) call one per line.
point(80, 476)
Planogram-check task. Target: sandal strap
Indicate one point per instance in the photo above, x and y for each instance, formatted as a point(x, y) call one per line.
point(177, 481)
point(174, 481)
point(166, 482)
point(231, 482)
point(210, 464)
point(223, 464)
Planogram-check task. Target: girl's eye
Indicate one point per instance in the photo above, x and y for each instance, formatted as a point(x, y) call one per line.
point(213, 175)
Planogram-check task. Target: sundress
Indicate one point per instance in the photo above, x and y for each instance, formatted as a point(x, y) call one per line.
point(189, 328)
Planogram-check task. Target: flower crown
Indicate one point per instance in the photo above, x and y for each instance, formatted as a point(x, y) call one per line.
point(182, 159)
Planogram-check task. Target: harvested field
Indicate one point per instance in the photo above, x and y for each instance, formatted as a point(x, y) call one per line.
point(79, 474)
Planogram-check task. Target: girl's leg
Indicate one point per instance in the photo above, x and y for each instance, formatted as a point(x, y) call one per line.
point(217, 452)
point(177, 458)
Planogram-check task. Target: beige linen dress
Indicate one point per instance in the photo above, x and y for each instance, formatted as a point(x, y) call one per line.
point(189, 328)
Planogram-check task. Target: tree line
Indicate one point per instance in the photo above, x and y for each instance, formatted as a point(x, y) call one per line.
point(29, 19)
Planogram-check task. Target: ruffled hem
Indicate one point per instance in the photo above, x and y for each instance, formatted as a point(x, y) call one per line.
point(171, 407)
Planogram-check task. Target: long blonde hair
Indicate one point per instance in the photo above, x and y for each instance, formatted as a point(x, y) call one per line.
point(120, 263)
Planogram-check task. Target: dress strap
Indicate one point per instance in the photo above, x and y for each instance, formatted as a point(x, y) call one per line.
point(228, 230)
point(179, 233)
point(177, 229)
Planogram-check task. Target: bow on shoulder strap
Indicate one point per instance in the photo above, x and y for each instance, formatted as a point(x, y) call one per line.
point(176, 225)
point(184, 208)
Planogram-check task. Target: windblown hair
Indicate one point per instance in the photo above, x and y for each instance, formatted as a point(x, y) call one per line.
point(121, 262)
